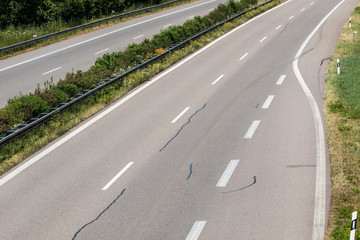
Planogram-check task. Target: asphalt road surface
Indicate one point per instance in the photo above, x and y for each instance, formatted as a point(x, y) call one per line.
point(224, 145)
point(22, 73)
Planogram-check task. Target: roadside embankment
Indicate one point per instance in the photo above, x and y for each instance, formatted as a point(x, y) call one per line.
point(342, 116)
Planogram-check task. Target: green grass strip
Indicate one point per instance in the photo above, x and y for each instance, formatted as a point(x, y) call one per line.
point(342, 116)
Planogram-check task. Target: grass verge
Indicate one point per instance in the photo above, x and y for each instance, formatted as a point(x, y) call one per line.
point(21, 148)
point(342, 116)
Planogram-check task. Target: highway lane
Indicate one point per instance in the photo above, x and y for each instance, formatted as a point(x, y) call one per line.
point(67, 56)
point(164, 194)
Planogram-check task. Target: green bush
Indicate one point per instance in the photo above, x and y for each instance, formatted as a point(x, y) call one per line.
point(68, 88)
point(53, 96)
point(20, 109)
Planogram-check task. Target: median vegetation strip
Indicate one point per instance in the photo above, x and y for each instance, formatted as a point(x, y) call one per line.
point(21, 108)
point(342, 116)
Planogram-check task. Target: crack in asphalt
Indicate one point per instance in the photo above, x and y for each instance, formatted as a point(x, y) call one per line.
point(284, 28)
point(98, 217)
point(182, 127)
point(189, 172)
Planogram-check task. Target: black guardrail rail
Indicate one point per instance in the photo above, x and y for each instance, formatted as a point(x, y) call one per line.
point(84, 26)
point(42, 118)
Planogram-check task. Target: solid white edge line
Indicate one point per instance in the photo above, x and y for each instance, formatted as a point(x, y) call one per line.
point(320, 187)
point(278, 27)
point(53, 70)
point(123, 100)
point(218, 79)
point(311, 3)
point(263, 39)
point(252, 129)
point(243, 56)
point(179, 116)
point(102, 51)
point(117, 176)
point(139, 36)
point(302, 9)
point(291, 17)
point(196, 230)
point(281, 80)
point(166, 26)
point(225, 177)
point(103, 35)
point(191, 17)
point(268, 102)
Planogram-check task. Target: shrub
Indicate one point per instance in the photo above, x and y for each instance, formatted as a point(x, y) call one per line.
point(25, 107)
point(108, 60)
point(68, 88)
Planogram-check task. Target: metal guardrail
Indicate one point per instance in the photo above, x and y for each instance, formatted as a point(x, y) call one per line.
point(84, 26)
point(42, 118)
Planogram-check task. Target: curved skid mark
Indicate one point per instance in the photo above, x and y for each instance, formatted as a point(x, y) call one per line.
point(253, 183)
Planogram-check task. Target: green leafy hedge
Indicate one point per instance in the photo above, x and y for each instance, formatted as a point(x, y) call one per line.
point(22, 108)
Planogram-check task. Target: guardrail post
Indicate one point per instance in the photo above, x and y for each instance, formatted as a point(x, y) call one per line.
point(353, 225)
point(338, 66)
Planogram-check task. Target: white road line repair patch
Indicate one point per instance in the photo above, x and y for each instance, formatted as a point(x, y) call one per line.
point(101, 51)
point(227, 173)
point(117, 176)
point(244, 56)
point(218, 79)
point(179, 116)
point(252, 129)
point(196, 230)
point(53, 70)
point(268, 102)
point(281, 80)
